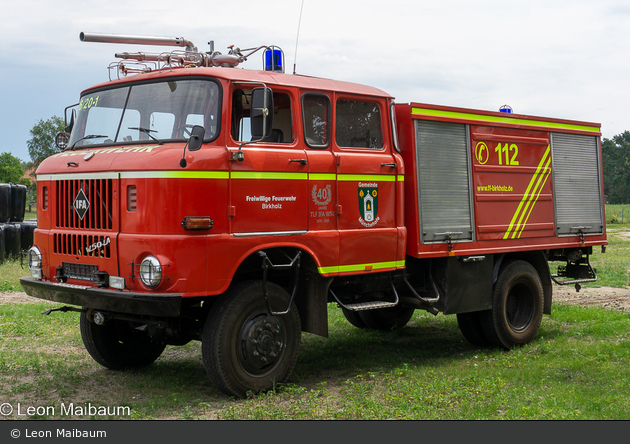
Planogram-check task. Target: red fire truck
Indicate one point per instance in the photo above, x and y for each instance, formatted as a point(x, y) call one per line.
point(194, 200)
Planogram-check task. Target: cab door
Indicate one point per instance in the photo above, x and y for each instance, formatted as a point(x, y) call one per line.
point(366, 186)
point(322, 177)
point(269, 186)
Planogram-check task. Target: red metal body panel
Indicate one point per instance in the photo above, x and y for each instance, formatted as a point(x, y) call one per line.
point(510, 155)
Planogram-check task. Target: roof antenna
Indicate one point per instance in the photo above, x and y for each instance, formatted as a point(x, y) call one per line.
point(297, 37)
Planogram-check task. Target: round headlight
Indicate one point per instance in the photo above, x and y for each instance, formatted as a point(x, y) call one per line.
point(150, 272)
point(34, 258)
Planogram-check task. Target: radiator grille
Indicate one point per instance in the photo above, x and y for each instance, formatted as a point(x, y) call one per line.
point(82, 245)
point(99, 193)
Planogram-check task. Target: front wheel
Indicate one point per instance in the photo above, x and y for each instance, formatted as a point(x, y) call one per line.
point(245, 348)
point(517, 307)
point(120, 345)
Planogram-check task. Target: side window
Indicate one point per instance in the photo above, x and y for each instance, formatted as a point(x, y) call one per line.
point(282, 130)
point(316, 120)
point(358, 124)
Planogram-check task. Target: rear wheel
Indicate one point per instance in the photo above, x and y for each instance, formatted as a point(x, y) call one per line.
point(386, 318)
point(353, 317)
point(517, 307)
point(119, 344)
point(245, 348)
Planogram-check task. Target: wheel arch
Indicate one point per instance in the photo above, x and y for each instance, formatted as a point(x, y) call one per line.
point(312, 290)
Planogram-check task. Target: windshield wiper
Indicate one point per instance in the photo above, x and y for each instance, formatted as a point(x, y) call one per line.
point(146, 131)
point(91, 136)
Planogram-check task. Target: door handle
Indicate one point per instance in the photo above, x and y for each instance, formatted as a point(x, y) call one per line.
point(391, 165)
point(302, 161)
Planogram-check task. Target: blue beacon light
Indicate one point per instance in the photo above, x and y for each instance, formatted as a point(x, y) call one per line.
point(273, 59)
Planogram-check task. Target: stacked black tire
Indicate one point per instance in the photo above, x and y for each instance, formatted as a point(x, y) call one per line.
point(16, 234)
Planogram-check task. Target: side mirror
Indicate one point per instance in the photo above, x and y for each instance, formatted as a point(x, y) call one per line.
point(196, 138)
point(261, 113)
point(194, 142)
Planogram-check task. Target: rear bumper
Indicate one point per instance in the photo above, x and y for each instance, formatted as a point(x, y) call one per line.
point(167, 305)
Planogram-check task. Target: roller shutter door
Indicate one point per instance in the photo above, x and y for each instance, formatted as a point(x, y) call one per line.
point(443, 162)
point(577, 185)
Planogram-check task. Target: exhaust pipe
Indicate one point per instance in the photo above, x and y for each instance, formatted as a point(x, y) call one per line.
point(137, 40)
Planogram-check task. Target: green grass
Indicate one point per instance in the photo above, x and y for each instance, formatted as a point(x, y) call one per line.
point(617, 214)
point(613, 267)
point(577, 368)
point(10, 274)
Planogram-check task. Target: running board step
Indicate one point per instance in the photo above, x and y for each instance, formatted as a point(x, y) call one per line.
point(367, 305)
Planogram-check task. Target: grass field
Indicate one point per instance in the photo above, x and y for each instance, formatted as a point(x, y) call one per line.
point(577, 368)
point(617, 214)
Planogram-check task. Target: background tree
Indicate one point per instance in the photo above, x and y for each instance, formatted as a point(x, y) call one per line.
point(616, 166)
point(42, 142)
point(10, 168)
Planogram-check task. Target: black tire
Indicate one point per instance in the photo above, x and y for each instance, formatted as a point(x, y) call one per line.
point(517, 307)
point(118, 345)
point(246, 349)
point(386, 318)
point(353, 317)
point(470, 326)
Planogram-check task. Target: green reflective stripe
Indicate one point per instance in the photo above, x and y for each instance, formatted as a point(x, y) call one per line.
point(326, 270)
point(361, 267)
point(366, 177)
point(268, 175)
point(497, 119)
point(175, 175)
point(322, 176)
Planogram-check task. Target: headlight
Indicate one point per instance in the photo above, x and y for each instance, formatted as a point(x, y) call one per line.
point(34, 258)
point(150, 271)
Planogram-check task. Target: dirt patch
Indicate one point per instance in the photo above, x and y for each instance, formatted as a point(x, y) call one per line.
point(14, 297)
point(609, 297)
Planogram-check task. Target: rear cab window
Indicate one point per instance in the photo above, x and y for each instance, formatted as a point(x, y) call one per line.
point(358, 124)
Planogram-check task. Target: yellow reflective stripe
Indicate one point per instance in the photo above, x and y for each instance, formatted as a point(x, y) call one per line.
point(322, 176)
point(366, 177)
point(175, 175)
point(528, 197)
point(401, 178)
point(497, 119)
point(545, 175)
point(268, 175)
point(361, 267)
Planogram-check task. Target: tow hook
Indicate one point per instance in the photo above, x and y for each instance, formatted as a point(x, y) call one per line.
point(62, 309)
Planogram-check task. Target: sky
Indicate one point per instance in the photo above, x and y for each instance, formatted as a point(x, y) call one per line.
point(550, 58)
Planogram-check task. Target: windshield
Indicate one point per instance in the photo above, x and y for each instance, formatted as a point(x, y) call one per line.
point(165, 111)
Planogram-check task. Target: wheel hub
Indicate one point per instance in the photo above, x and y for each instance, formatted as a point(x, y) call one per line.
point(262, 340)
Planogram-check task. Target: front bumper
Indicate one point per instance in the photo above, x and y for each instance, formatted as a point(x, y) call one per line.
point(166, 305)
